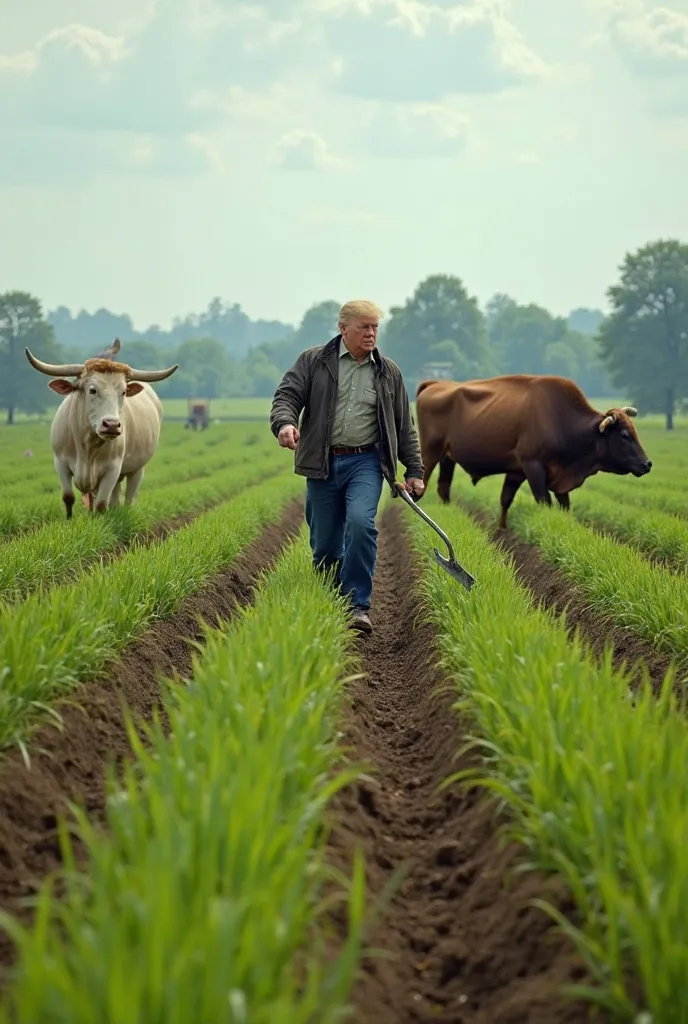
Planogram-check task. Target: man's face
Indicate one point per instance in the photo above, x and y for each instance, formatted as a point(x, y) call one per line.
point(360, 336)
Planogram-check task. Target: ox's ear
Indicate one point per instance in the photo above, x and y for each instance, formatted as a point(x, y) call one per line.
point(61, 386)
point(133, 388)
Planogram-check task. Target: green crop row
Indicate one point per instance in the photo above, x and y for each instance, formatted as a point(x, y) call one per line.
point(173, 438)
point(62, 551)
point(656, 533)
point(596, 783)
point(645, 495)
point(51, 641)
point(16, 466)
point(615, 580)
point(169, 461)
point(18, 514)
point(182, 465)
point(203, 901)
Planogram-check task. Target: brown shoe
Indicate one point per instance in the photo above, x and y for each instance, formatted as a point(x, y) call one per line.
point(361, 621)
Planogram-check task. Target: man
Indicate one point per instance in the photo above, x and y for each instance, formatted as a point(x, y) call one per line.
point(356, 422)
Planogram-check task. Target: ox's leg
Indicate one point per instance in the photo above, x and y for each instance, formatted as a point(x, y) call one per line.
point(512, 482)
point(116, 493)
point(564, 501)
point(133, 483)
point(65, 475)
point(105, 488)
point(446, 476)
point(536, 475)
point(431, 455)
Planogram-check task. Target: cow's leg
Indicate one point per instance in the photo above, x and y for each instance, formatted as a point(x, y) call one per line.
point(133, 483)
point(446, 476)
point(536, 475)
point(512, 482)
point(564, 501)
point(115, 496)
point(64, 473)
point(431, 455)
point(106, 487)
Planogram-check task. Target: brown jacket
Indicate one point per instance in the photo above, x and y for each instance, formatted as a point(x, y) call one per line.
point(311, 386)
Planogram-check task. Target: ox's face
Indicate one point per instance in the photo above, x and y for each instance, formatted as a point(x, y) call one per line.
point(620, 448)
point(102, 396)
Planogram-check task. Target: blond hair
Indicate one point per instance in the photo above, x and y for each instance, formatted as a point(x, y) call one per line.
point(359, 308)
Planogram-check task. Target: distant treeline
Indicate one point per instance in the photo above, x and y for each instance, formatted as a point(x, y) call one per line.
point(640, 350)
point(223, 353)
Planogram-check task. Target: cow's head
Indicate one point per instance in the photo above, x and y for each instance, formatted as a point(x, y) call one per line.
point(619, 446)
point(102, 385)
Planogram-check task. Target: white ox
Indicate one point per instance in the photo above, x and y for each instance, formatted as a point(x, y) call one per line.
point(98, 438)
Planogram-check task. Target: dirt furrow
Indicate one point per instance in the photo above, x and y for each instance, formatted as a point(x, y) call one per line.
point(465, 945)
point(158, 531)
point(548, 584)
point(69, 765)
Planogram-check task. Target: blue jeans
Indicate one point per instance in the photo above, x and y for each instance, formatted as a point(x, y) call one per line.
point(340, 513)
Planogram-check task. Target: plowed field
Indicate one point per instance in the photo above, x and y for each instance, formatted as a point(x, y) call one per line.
point(220, 804)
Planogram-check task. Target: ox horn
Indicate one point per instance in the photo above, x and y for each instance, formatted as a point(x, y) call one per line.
point(150, 376)
point(608, 421)
point(630, 410)
point(52, 369)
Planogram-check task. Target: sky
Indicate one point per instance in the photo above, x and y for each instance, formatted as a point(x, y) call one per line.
point(157, 153)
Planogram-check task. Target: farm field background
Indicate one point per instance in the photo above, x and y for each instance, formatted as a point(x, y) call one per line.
point(258, 410)
point(250, 806)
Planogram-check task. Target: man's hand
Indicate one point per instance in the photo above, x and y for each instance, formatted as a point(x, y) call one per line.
point(288, 437)
point(414, 486)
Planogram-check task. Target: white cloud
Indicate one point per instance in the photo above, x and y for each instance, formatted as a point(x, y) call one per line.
point(416, 131)
point(201, 74)
point(655, 39)
point(72, 159)
point(406, 50)
point(652, 42)
point(305, 150)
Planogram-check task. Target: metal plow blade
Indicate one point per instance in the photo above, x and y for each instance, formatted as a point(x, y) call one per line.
point(450, 564)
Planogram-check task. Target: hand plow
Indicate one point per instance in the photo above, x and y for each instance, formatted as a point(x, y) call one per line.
point(450, 564)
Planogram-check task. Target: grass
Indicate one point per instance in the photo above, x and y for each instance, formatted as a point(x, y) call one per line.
point(596, 784)
point(35, 500)
point(615, 580)
point(205, 901)
point(651, 531)
point(51, 641)
point(173, 408)
point(62, 551)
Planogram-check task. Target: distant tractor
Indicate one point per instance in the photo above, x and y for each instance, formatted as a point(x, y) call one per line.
point(198, 415)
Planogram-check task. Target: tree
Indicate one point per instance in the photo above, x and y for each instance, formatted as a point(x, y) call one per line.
point(585, 321)
point(529, 339)
point(644, 340)
point(89, 333)
point(522, 335)
point(23, 389)
point(439, 311)
point(318, 326)
point(205, 371)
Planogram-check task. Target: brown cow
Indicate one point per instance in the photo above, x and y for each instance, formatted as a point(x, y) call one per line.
point(529, 427)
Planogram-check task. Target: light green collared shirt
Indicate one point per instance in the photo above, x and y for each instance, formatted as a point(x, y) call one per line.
point(355, 416)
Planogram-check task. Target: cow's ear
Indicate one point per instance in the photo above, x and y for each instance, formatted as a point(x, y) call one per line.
point(134, 387)
point(61, 386)
point(608, 421)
